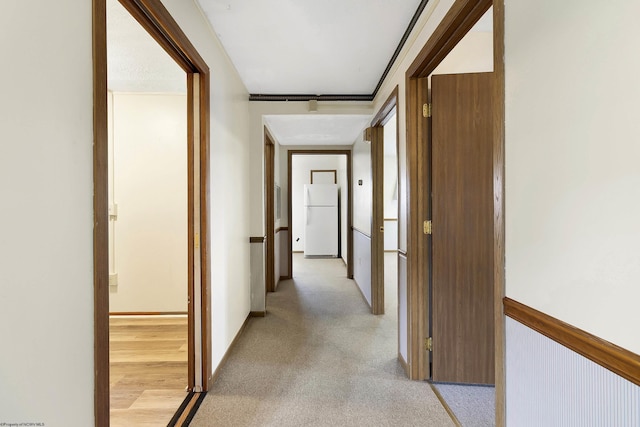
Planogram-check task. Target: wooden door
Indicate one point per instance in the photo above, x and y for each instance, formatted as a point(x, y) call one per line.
point(269, 209)
point(377, 219)
point(462, 281)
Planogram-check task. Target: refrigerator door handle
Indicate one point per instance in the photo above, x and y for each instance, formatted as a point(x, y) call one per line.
point(307, 216)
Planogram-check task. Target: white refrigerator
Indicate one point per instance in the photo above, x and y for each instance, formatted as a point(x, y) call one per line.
point(321, 220)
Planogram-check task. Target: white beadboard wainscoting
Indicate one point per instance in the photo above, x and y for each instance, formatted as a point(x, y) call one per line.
point(402, 307)
point(283, 249)
point(362, 263)
point(277, 265)
point(257, 255)
point(548, 384)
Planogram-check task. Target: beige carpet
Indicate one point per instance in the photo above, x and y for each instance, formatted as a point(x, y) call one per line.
point(319, 358)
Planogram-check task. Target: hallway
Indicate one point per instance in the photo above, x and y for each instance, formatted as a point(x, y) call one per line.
point(319, 358)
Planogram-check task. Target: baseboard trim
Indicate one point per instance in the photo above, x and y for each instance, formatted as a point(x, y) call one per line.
point(214, 376)
point(608, 355)
point(285, 277)
point(148, 313)
point(297, 252)
point(257, 314)
point(391, 250)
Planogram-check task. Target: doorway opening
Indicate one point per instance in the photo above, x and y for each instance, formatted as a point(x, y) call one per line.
point(388, 251)
point(319, 206)
point(271, 208)
point(157, 21)
point(385, 200)
point(148, 210)
point(437, 253)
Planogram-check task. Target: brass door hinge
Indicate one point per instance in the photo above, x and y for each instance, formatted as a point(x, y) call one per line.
point(367, 135)
point(426, 110)
point(428, 344)
point(427, 227)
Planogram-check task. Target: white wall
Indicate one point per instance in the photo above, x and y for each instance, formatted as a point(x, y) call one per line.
point(46, 182)
point(572, 155)
point(390, 185)
point(149, 135)
point(362, 211)
point(362, 264)
point(474, 53)
point(362, 186)
point(390, 169)
point(230, 186)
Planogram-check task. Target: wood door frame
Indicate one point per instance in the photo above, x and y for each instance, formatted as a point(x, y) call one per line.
point(157, 21)
point(462, 15)
point(377, 209)
point(269, 202)
point(347, 153)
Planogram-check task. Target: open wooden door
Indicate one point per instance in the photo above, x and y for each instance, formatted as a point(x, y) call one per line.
point(269, 211)
point(462, 196)
point(377, 219)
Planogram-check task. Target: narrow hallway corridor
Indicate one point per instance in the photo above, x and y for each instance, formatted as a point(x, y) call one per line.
point(319, 358)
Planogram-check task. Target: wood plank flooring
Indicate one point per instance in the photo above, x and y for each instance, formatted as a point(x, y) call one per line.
point(148, 362)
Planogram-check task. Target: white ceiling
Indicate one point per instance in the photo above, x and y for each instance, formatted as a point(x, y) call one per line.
point(135, 61)
point(319, 130)
point(310, 46)
point(279, 47)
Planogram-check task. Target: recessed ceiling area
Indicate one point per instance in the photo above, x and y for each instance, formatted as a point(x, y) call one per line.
point(310, 46)
point(322, 129)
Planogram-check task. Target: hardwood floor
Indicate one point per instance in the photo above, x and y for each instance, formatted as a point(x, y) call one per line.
point(148, 362)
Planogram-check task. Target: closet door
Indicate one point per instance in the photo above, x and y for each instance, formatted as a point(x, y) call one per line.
point(462, 197)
